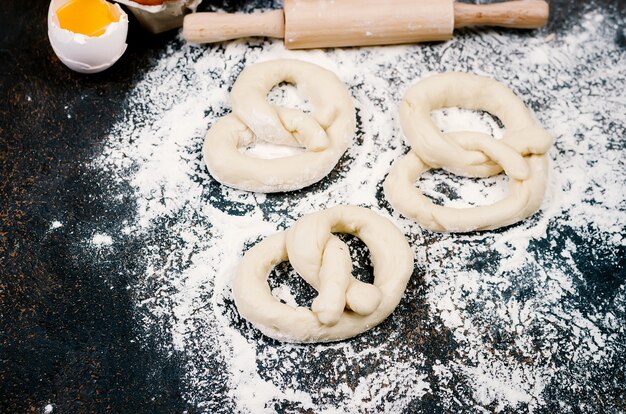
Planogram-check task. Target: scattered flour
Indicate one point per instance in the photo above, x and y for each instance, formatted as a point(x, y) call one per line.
point(490, 321)
point(100, 239)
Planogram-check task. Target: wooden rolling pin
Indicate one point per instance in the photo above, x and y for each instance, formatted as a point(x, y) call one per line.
point(306, 24)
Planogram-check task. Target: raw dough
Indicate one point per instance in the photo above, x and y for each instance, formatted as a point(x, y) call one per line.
point(325, 133)
point(521, 153)
point(344, 306)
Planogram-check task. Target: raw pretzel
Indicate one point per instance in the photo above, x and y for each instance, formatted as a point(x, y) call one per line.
point(325, 133)
point(344, 306)
point(521, 153)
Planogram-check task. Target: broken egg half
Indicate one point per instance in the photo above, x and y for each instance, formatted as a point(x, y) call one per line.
point(88, 36)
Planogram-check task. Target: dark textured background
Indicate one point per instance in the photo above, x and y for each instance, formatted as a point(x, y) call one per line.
point(65, 335)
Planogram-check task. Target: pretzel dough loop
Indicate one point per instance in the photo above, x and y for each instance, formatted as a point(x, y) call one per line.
point(524, 197)
point(464, 90)
point(325, 133)
point(344, 306)
point(521, 153)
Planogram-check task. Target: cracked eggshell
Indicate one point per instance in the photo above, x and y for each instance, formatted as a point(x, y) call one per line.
point(87, 54)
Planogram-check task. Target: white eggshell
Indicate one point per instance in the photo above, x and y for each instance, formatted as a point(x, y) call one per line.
point(87, 54)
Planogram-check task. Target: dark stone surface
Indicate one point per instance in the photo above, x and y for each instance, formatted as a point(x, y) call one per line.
point(65, 334)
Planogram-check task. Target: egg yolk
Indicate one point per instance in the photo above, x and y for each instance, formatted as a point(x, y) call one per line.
point(88, 17)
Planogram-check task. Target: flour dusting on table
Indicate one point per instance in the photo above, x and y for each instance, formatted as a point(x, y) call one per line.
point(490, 321)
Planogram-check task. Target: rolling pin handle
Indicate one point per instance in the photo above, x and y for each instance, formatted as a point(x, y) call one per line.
point(218, 27)
point(519, 14)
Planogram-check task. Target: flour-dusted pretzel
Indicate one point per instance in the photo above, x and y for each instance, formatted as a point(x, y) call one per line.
point(325, 133)
point(344, 306)
point(521, 153)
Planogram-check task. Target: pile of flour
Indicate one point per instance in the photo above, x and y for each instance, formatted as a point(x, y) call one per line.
point(496, 320)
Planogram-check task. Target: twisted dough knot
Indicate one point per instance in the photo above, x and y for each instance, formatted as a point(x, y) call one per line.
point(344, 306)
point(521, 153)
point(325, 133)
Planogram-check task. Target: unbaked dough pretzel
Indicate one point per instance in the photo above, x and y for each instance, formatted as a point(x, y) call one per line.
point(344, 306)
point(521, 153)
point(325, 133)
